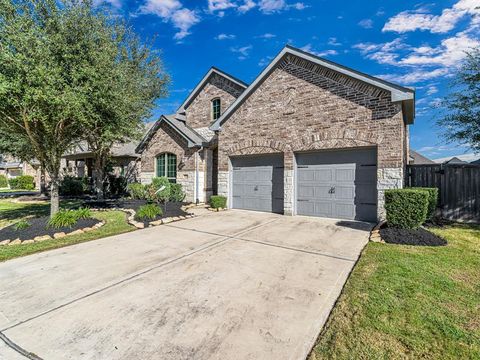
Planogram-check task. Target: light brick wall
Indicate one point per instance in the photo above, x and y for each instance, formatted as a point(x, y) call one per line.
point(302, 106)
point(199, 112)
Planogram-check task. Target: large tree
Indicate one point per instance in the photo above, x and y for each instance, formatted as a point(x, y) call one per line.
point(62, 66)
point(126, 79)
point(461, 123)
point(42, 93)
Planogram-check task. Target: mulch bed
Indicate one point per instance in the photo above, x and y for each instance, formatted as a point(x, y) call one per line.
point(173, 208)
point(38, 227)
point(420, 237)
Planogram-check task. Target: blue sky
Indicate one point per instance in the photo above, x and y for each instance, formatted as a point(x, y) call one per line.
point(417, 44)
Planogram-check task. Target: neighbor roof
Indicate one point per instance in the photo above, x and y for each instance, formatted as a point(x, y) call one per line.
point(419, 159)
point(398, 93)
point(177, 122)
point(201, 84)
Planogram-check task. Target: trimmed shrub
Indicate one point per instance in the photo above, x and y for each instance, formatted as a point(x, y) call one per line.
point(72, 186)
point(218, 201)
point(116, 185)
point(148, 212)
point(23, 182)
point(137, 191)
point(3, 181)
point(153, 193)
point(432, 200)
point(21, 225)
point(176, 193)
point(68, 218)
point(406, 208)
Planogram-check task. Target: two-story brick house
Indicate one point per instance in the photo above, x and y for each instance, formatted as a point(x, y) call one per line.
point(307, 137)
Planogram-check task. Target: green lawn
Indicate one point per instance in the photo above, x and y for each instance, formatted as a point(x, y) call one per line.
point(410, 302)
point(11, 211)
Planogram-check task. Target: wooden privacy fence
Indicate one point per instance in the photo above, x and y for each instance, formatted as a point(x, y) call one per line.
point(458, 188)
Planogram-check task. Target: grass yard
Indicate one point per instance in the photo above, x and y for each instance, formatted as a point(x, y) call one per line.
point(410, 302)
point(11, 211)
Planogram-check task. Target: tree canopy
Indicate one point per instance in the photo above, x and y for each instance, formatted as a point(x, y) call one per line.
point(461, 123)
point(69, 72)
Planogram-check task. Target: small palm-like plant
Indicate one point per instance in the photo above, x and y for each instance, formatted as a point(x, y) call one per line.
point(148, 212)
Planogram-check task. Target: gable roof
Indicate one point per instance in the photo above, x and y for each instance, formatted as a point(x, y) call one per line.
point(419, 159)
point(398, 93)
point(177, 123)
point(213, 70)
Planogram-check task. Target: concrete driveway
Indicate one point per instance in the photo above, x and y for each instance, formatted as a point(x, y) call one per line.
point(230, 285)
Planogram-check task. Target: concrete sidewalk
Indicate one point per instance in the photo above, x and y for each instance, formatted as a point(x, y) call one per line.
point(235, 284)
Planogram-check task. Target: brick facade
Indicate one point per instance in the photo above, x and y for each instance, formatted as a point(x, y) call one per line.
point(302, 106)
point(199, 112)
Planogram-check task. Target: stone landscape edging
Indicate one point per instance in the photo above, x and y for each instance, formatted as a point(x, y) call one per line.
point(140, 225)
point(375, 233)
point(58, 235)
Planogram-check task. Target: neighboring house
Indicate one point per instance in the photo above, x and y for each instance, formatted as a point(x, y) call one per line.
point(11, 168)
point(307, 137)
point(125, 161)
point(418, 159)
point(455, 160)
point(476, 162)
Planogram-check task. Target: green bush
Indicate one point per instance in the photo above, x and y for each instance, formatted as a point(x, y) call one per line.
point(176, 193)
point(116, 185)
point(217, 201)
point(406, 208)
point(153, 193)
point(23, 182)
point(136, 191)
point(21, 225)
point(3, 181)
point(432, 200)
point(72, 186)
point(148, 212)
point(68, 218)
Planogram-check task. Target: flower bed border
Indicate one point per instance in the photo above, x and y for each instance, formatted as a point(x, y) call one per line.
point(58, 235)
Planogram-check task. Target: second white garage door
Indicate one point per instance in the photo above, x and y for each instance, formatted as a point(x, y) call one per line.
point(337, 184)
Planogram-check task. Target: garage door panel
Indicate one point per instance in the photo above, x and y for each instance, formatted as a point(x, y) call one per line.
point(258, 183)
point(306, 175)
point(346, 211)
point(347, 175)
point(344, 192)
point(344, 185)
point(323, 174)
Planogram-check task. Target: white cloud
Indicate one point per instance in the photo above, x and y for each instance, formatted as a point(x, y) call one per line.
point(267, 36)
point(117, 4)
point(269, 6)
point(421, 19)
point(333, 42)
point(216, 5)
point(309, 48)
point(450, 52)
point(432, 90)
point(225, 37)
point(246, 6)
point(383, 53)
point(366, 23)
point(465, 157)
point(243, 51)
point(415, 76)
point(265, 61)
point(172, 11)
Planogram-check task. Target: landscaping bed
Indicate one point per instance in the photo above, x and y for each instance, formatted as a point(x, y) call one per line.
point(418, 236)
point(39, 227)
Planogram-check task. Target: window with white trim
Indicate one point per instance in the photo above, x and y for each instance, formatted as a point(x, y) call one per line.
point(167, 166)
point(216, 108)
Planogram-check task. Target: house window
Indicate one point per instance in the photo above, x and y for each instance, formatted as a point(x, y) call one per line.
point(216, 108)
point(167, 166)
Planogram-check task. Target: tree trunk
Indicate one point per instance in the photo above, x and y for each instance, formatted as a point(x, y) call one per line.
point(54, 197)
point(43, 184)
point(99, 176)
